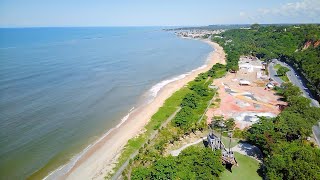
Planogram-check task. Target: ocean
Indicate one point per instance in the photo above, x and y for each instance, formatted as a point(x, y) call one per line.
point(63, 88)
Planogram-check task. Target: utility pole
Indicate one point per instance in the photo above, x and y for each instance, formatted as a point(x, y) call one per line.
point(230, 135)
point(221, 137)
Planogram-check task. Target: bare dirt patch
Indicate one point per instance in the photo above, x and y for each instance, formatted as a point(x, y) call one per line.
point(245, 103)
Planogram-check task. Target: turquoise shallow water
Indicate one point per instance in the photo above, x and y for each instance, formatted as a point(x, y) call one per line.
point(62, 88)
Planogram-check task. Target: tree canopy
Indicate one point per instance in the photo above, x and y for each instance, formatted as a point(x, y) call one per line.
point(192, 163)
point(282, 71)
point(283, 139)
point(296, 45)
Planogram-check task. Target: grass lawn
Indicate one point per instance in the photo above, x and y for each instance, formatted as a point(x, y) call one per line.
point(247, 169)
point(284, 78)
point(277, 66)
point(226, 140)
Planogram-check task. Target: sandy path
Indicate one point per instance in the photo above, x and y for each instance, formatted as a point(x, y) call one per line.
point(99, 159)
point(178, 151)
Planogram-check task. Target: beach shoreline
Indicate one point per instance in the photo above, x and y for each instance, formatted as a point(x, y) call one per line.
point(99, 158)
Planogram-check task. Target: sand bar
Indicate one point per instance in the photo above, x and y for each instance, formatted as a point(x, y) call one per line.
point(99, 159)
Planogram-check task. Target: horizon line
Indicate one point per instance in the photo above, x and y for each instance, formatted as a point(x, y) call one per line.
point(104, 26)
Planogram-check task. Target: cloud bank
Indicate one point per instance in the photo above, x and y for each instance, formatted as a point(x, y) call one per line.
point(302, 11)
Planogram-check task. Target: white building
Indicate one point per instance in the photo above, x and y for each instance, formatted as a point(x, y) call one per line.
point(244, 82)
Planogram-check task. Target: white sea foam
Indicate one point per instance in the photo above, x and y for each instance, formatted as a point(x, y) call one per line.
point(156, 88)
point(125, 118)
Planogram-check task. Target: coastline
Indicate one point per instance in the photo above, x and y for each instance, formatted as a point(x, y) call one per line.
point(100, 157)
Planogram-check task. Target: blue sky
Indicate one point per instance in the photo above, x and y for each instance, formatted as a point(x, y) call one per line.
point(28, 13)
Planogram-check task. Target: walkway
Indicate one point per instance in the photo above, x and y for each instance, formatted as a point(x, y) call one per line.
point(121, 169)
point(294, 79)
point(177, 152)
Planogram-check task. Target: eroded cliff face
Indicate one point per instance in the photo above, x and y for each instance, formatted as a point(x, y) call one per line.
point(311, 43)
point(316, 44)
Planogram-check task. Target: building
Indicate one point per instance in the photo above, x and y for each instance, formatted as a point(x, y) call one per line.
point(244, 82)
point(214, 142)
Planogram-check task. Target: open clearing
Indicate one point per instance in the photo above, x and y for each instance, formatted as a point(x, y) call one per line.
point(247, 169)
point(245, 96)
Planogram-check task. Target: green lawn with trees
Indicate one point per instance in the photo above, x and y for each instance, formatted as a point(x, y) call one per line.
point(282, 73)
point(192, 163)
point(277, 66)
point(283, 139)
point(247, 169)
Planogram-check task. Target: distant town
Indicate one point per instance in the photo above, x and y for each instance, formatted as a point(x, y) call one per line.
point(198, 33)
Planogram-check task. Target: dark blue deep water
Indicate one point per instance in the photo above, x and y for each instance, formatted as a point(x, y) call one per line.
point(61, 88)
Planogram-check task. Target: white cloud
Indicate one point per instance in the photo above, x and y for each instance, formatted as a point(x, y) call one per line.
point(300, 11)
point(307, 8)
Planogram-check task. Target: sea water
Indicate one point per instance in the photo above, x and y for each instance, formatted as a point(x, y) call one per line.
point(63, 88)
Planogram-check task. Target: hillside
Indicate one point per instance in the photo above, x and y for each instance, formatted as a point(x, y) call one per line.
point(296, 45)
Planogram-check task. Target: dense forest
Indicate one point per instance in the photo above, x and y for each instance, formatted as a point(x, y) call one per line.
point(297, 45)
point(283, 139)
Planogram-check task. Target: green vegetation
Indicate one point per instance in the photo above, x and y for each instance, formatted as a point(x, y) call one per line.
point(230, 124)
point(217, 71)
point(206, 36)
point(193, 100)
point(293, 161)
point(296, 45)
point(284, 78)
point(247, 169)
point(169, 107)
point(226, 141)
point(282, 73)
point(277, 66)
point(282, 140)
point(192, 163)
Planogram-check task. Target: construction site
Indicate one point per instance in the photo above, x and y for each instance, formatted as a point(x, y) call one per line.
point(246, 94)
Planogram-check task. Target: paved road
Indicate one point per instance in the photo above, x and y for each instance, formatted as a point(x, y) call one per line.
point(273, 73)
point(316, 133)
point(296, 80)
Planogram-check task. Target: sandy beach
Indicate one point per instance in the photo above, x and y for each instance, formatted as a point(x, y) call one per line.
point(99, 159)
